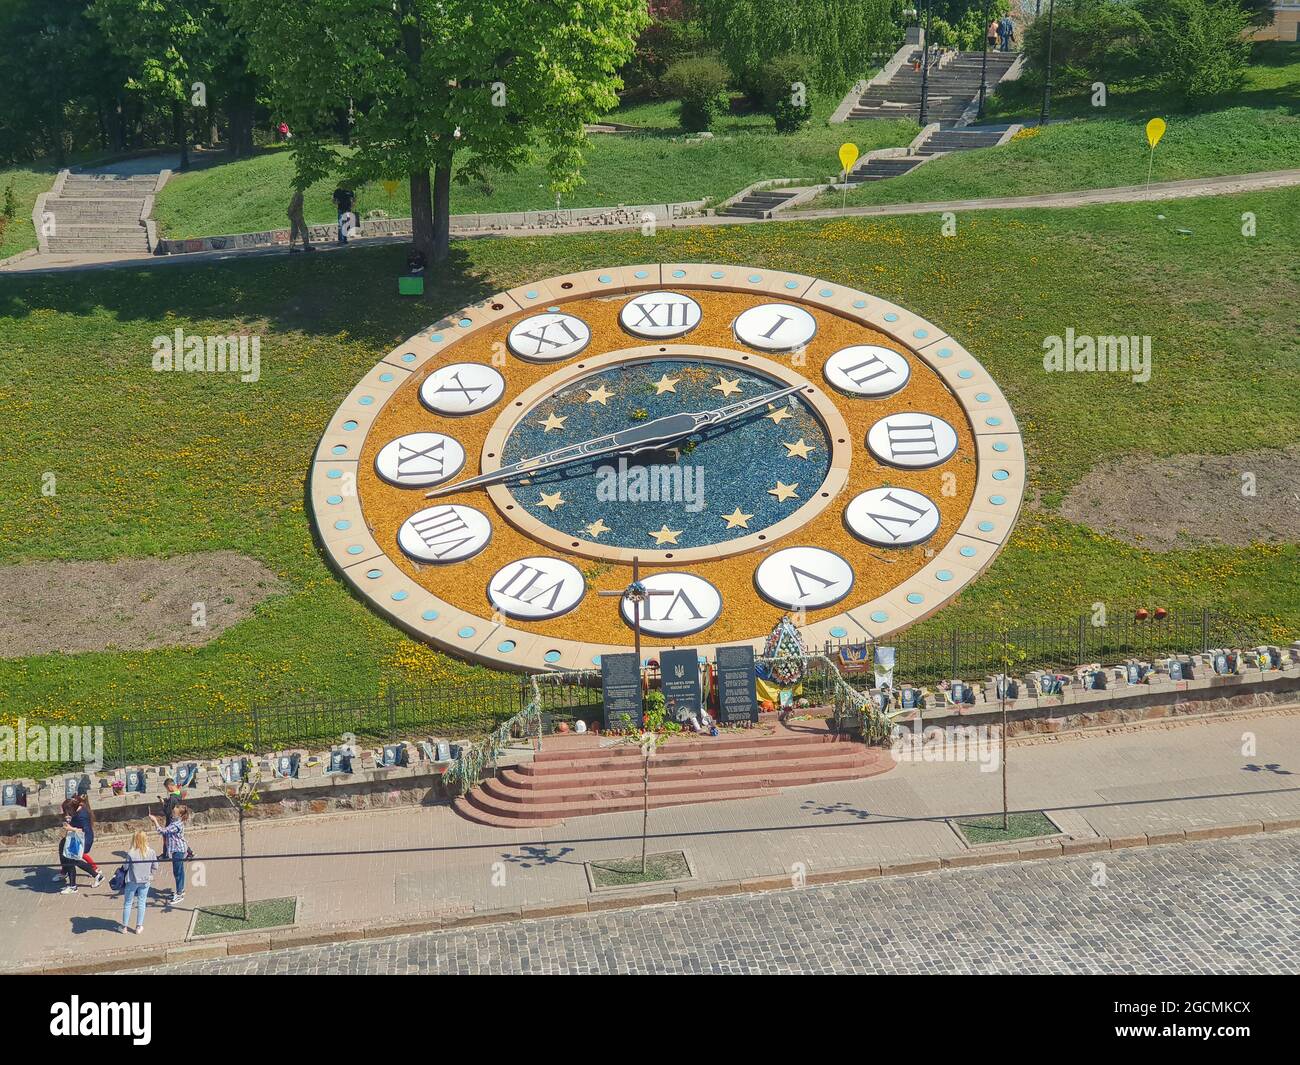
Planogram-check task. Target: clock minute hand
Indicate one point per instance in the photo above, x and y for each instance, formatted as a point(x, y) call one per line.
point(637, 438)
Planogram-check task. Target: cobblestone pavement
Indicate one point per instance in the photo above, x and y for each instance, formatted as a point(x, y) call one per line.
point(1214, 907)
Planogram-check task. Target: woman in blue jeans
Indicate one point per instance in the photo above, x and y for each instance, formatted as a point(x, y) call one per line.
point(174, 845)
point(141, 861)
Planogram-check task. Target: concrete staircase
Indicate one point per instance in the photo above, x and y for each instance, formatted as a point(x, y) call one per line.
point(99, 214)
point(939, 142)
point(577, 776)
point(759, 204)
point(954, 83)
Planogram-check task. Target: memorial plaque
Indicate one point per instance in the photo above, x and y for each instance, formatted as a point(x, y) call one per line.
point(680, 673)
point(620, 688)
point(737, 699)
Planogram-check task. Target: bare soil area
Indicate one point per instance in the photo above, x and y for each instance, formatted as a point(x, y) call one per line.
point(1192, 500)
point(128, 605)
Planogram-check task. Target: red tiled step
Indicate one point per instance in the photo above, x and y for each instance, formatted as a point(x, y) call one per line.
point(596, 799)
point(685, 767)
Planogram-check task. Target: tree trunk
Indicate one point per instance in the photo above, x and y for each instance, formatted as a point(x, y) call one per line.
point(180, 132)
point(423, 230)
point(441, 212)
point(243, 884)
point(645, 814)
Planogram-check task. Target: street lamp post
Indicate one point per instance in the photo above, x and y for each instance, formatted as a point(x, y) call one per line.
point(1047, 83)
point(984, 60)
point(925, 59)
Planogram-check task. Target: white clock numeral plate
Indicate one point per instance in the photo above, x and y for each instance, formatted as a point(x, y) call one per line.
point(775, 327)
point(536, 588)
point(445, 533)
point(549, 337)
point(892, 517)
point(418, 460)
point(659, 315)
point(809, 577)
point(867, 370)
point(690, 604)
point(912, 440)
point(462, 388)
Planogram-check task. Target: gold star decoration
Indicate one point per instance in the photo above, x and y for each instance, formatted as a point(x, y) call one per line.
point(666, 384)
point(737, 520)
point(666, 535)
point(797, 451)
point(551, 500)
point(599, 395)
point(726, 387)
point(783, 491)
point(597, 528)
point(553, 421)
point(777, 414)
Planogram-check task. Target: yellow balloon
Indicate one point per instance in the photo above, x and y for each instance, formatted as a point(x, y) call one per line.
point(390, 186)
point(1155, 130)
point(848, 156)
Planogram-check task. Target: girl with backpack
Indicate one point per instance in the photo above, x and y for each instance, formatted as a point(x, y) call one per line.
point(175, 846)
point(137, 875)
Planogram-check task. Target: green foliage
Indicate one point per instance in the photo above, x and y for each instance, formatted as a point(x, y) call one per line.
point(786, 85)
point(660, 45)
point(840, 37)
point(11, 202)
point(970, 26)
point(1201, 47)
point(1192, 49)
point(942, 35)
point(701, 86)
point(437, 85)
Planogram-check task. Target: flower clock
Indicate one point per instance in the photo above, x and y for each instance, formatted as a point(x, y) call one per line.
point(763, 443)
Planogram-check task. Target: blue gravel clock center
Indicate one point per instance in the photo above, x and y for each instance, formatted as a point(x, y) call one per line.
point(727, 480)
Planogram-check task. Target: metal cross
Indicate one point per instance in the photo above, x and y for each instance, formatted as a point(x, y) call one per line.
point(636, 593)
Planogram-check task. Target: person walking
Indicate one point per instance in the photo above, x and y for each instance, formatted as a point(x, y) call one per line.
point(74, 851)
point(298, 224)
point(343, 200)
point(1006, 32)
point(992, 33)
point(175, 846)
point(141, 863)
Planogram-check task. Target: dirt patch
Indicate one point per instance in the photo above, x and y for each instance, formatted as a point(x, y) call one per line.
point(1191, 500)
point(131, 605)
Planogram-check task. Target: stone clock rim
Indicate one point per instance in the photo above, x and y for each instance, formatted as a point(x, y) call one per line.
point(375, 573)
point(838, 437)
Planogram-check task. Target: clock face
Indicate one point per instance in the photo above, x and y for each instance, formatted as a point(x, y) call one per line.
point(761, 443)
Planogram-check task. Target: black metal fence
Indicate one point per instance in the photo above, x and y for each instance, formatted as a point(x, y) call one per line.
point(471, 710)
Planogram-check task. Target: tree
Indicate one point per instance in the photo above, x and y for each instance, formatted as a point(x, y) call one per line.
point(1201, 47)
point(163, 42)
point(838, 36)
point(243, 796)
point(438, 86)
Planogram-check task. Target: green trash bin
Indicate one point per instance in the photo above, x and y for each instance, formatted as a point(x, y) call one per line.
point(410, 285)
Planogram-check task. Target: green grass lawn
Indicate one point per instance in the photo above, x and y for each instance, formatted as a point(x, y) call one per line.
point(655, 166)
point(983, 830)
point(1254, 129)
point(164, 464)
point(28, 182)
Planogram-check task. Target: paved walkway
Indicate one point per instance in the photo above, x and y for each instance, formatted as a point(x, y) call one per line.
point(1158, 191)
point(409, 863)
point(1227, 906)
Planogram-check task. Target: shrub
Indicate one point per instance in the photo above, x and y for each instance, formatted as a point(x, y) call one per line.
point(701, 86)
point(1200, 46)
point(786, 89)
point(11, 202)
point(662, 43)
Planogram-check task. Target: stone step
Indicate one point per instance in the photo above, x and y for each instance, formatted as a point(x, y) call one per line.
point(576, 776)
point(670, 756)
point(523, 787)
point(103, 192)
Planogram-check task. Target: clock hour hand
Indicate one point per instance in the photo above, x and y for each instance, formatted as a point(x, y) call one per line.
point(653, 434)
